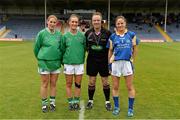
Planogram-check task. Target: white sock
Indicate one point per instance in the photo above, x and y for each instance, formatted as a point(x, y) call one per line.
point(90, 101)
point(107, 102)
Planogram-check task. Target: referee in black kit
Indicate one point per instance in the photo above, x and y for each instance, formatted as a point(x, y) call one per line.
point(97, 60)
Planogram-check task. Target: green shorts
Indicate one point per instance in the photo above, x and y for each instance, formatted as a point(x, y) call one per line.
point(49, 65)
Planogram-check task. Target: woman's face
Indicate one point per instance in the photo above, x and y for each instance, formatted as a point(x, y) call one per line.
point(52, 23)
point(73, 23)
point(120, 24)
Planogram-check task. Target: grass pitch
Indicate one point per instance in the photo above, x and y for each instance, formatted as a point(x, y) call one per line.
point(156, 81)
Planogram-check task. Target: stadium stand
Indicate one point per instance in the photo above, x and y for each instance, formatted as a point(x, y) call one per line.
point(24, 27)
point(25, 21)
point(145, 31)
point(173, 31)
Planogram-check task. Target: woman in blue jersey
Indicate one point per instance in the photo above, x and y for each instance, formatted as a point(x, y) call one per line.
point(122, 51)
point(48, 54)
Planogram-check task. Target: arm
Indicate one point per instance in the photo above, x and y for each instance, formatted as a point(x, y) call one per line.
point(135, 48)
point(86, 41)
point(85, 46)
point(110, 53)
point(37, 45)
point(62, 45)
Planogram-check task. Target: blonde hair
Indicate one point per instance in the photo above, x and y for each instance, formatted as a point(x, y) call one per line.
point(52, 16)
point(73, 15)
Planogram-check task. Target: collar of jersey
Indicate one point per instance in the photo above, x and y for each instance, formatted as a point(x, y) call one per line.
point(50, 31)
point(124, 32)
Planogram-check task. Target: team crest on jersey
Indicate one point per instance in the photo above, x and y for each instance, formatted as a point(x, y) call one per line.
point(128, 41)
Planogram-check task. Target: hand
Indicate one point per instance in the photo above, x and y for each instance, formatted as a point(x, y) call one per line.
point(132, 60)
point(110, 67)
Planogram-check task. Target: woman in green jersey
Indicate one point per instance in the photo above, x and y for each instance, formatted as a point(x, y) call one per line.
point(48, 54)
point(73, 47)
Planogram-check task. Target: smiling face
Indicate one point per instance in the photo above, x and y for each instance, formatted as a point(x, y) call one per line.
point(73, 23)
point(96, 21)
point(52, 23)
point(120, 24)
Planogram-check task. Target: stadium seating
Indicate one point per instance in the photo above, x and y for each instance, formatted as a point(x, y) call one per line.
point(173, 31)
point(26, 28)
point(144, 31)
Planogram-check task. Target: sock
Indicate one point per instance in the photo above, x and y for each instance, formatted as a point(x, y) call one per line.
point(116, 101)
point(90, 101)
point(131, 103)
point(76, 99)
point(44, 101)
point(70, 100)
point(52, 100)
point(91, 90)
point(106, 90)
point(107, 102)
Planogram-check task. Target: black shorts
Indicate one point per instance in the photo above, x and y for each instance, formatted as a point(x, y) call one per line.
point(94, 66)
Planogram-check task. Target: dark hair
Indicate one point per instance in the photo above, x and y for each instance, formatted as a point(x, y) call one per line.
point(120, 17)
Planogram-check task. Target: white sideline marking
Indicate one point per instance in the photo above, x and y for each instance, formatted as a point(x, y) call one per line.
point(81, 112)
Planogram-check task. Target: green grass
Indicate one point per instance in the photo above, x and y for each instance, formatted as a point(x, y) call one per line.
point(156, 81)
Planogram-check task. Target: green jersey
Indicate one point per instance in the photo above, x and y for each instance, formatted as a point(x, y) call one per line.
point(47, 48)
point(73, 47)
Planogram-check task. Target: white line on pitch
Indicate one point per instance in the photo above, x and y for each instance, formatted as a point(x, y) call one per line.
point(81, 112)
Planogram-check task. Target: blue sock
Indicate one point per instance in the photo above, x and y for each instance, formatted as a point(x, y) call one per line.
point(131, 103)
point(116, 101)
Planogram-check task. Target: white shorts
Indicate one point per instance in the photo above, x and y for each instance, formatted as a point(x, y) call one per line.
point(74, 69)
point(41, 71)
point(122, 67)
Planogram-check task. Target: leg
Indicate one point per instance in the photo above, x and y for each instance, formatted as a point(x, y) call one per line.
point(129, 85)
point(131, 93)
point(53, 80)
point(91, 90)
point(106, 90)
point(91, 87)
point(115, 85)
point(44, 85)
point(69, 81)
point(115, 89)
point(44, 91)
point(106, 87)
point(77, 91)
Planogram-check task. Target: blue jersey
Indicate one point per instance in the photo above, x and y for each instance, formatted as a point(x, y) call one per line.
point(122, 46)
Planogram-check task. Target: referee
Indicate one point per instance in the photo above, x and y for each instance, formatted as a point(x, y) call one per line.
point(97, 60)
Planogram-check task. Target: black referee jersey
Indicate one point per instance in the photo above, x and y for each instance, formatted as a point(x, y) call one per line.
point(96, 44)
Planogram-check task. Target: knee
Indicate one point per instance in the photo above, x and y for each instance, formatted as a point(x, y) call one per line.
point(77, 85)
point(44, 84)
point(92, 83)
point(116, 88)
point(106, 86)
point(68, 84)
point(53, 84)
point(91, 87)
point(105, 81)
point(130, 88)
